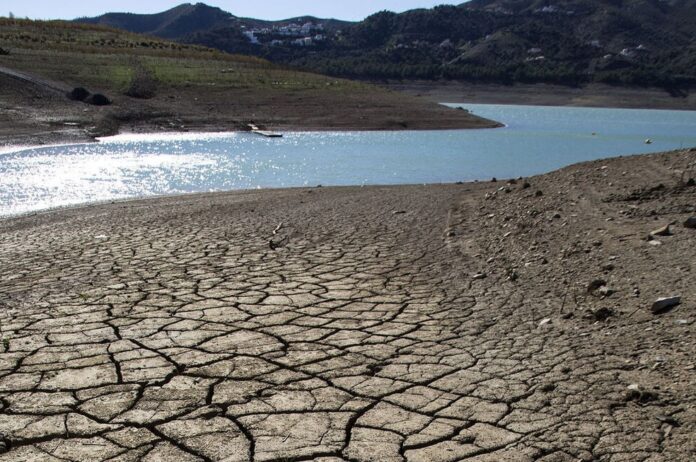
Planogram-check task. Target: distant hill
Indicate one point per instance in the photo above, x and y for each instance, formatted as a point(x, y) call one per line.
point(633, 42)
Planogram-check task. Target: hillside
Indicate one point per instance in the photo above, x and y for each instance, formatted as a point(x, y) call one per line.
point(158, 84)
point(631, 42)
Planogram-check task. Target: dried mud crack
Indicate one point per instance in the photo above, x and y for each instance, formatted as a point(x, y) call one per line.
point(170, 329)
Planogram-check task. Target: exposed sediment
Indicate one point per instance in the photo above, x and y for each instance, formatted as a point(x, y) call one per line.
point(481, 322)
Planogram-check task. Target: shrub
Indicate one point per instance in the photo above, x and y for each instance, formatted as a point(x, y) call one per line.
point(142, 84)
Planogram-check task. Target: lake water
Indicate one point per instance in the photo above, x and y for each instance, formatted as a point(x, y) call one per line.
point(535, 140)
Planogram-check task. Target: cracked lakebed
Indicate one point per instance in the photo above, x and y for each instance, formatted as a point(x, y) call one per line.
point(344, 324)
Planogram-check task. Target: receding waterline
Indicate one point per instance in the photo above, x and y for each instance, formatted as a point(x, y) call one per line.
point(535, 140)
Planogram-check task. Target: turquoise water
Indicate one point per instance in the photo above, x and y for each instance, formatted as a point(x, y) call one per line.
point(535, 140)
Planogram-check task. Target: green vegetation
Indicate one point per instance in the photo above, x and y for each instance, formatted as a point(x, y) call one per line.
point(105, 59)
point(625, 42)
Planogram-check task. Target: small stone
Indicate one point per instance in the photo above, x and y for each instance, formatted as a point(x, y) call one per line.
point(544, 322)
point(690, 223)
point(669, 420)
point(595, 285)
point(637, 393)
point(602, 314)
point(548, 387)
point(526, 185)
point(655, 243)
point(663, 231)
point(608, 267)
point(538, 194)
point(479, 276)
point(663, 304)
point(606, 291)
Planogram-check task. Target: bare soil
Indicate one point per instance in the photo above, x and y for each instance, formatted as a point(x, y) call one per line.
point(498, 321)
point(32, 113)
point(593, 95)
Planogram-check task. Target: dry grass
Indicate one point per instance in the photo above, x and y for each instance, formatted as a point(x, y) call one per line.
point(103, 57)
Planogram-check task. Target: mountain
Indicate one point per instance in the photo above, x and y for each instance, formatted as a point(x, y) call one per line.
point(636, 42)
point(178, 22)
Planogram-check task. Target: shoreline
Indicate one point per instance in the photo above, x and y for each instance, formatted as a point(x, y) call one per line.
point(592, 95)
point(203, 194)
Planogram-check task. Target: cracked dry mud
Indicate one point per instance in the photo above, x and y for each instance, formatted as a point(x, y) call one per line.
point(172, 330)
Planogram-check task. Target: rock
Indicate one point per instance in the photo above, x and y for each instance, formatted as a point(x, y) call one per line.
point(663, 304)
point(526, 185)
point(538, 194)
point(606, 291)
point(663, 231)
point(608, 267)
point(668, 419)
point(637, 393)
point(602, 314)
point(479, 276)
point(98, 99)
point(548, 387)
point(595, 285)
point(78, 94)
point(691, 182)
point(494, 180)
point(655, 243)
point(544, 322)
point(690, 223)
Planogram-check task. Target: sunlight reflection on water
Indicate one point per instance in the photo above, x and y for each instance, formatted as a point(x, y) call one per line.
point(535, 140)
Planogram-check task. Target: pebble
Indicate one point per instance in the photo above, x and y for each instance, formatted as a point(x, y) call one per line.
point(662, 304)
point(479, 276)
point(545, 322)
point(663, 231)
point(655, 243)
point(690, 223)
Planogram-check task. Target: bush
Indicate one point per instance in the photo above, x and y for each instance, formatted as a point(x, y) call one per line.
point(78, 94)
point(98, 99)
point(142, 84)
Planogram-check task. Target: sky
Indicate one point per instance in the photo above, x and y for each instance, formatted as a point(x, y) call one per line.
point(263, 9)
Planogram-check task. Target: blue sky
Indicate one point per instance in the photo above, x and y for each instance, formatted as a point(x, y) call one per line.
point(268, 9)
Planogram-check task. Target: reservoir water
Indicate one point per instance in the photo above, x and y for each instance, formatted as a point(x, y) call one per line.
point(535, 140)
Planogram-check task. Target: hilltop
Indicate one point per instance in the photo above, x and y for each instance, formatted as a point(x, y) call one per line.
point(568, 42)
point(156, 84)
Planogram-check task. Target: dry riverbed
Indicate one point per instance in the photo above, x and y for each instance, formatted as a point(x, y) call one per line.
point(483, 322)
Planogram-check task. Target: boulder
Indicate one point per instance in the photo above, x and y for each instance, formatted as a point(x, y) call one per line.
point(98, 99)
point(79, 94)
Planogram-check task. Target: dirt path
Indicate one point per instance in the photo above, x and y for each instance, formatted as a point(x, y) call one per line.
point(35, 80)
point(185, 329)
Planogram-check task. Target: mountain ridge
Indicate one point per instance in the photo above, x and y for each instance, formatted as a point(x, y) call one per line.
point(571, 42)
